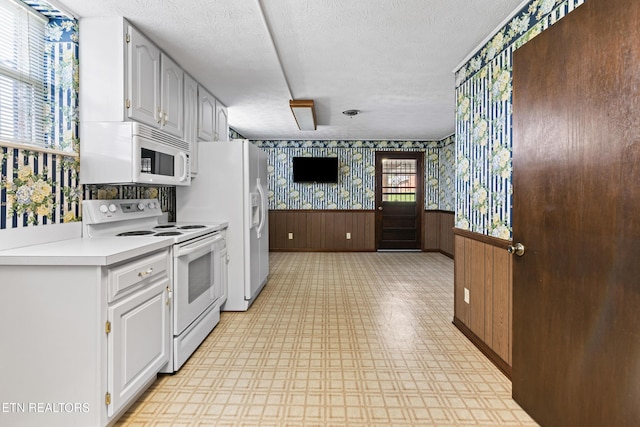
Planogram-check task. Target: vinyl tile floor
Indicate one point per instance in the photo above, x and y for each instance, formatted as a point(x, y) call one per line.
point(338, 339)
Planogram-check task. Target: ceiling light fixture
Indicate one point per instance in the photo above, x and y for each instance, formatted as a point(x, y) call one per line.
point(351, 113)
point(304, 112)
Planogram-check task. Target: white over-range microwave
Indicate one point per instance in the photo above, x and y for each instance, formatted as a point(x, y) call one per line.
point(132, 153)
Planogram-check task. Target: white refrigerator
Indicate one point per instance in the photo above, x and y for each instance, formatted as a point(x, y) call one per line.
point(231, 185)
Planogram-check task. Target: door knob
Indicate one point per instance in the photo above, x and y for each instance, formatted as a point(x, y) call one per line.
point(379, 208)
point(517, 249)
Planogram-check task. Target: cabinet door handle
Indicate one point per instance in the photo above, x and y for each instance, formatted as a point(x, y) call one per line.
point(163, 118)
point(145, 273)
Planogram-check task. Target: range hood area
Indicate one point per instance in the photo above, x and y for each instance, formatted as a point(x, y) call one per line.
point(132, 153)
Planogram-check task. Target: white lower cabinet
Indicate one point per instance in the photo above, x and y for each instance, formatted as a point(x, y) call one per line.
point(81, 342)
point(138, 342)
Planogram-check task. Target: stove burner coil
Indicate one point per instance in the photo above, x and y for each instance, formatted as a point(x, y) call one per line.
point(191, 227)
point(168, 233)
point(136, 233)
point(164, 226)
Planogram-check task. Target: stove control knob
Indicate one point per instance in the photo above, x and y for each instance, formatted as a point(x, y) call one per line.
point(152, 205)
point(104, 209)
point(140, 206)
point(112, 208)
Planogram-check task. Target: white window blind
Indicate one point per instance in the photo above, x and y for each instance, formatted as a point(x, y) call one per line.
point(22, 74)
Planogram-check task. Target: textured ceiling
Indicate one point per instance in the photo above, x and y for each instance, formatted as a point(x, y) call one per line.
point(390, 59)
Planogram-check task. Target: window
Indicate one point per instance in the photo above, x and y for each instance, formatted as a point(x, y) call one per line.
point(22, 74)
point(399, 180)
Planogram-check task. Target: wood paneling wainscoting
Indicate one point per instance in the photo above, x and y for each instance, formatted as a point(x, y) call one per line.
point(322, 230)
point(438, 232)
point(326, 230)
point(483, 267)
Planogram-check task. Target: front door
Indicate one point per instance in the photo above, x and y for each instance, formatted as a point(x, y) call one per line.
point(576, 210)
point(399, 200)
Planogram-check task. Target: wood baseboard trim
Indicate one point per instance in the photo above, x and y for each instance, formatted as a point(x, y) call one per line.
point(321, 250)
point(351, 250)
point(447, 254)
point(440, 251)
point(484, 348)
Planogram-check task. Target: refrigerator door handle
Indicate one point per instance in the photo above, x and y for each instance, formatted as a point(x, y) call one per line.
point(262, 208)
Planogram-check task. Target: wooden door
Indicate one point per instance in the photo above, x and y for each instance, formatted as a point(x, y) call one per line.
point(576, 209)
point(399, 200)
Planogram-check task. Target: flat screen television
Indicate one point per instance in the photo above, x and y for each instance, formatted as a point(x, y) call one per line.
point(315, 169)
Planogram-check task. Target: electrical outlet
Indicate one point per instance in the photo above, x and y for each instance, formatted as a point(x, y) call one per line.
point(348, 236)
point(466, 295)
point(290, 236)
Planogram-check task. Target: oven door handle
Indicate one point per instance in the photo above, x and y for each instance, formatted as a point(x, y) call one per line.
point(201, 248)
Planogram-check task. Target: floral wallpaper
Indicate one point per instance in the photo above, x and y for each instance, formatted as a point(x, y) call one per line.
point(356, 186)
point(62, 37)
point(37, 188)
point(235, 135)
point(446, 199)
point(483, 121)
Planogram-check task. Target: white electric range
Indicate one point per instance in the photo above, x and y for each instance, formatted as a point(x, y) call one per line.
point(198, 270)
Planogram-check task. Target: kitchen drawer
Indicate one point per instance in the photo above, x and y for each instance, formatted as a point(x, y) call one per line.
point(127, 277)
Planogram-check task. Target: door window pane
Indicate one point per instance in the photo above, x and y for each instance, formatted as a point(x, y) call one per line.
point(399, 180)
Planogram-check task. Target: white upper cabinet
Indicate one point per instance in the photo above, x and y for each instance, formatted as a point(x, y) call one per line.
point(222, 122)
point(143, 78)
point(155, 86)
point(212, 118)
point(103, 71)
point(191, 119)
point(172, 101)
point(125, 76)
point(206, 115)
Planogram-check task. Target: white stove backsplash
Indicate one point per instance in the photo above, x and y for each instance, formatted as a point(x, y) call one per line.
point(165, 195)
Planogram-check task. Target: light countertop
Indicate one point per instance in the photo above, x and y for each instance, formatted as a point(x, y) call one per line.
point(88, 251)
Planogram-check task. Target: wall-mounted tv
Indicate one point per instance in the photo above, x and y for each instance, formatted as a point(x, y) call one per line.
point(315, 169)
